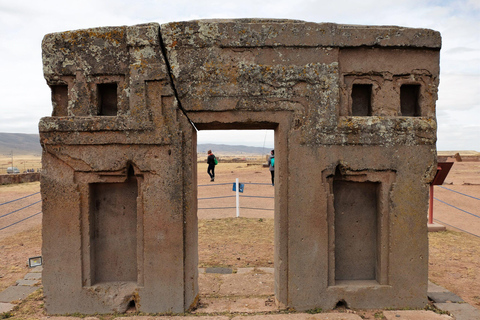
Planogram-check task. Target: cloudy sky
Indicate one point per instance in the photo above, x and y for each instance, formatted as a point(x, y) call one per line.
point(25, 97)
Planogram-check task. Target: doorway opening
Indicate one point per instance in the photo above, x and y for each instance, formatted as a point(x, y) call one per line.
point(235, 233)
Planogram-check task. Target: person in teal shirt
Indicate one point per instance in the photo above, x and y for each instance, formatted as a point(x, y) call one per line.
point(271, 165)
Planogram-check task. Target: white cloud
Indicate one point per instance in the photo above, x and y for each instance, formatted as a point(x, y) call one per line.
point(459, 92)
point(458, 131)
point(473, 4)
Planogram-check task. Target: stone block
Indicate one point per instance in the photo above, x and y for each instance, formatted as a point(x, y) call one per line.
point(460, 311)
point(266, 270)
point(23, 282)
point(436, 227)
point(302, 316)
point(353, 109)
point(6, 307)
point(432, 287)
point(38, 269)
point(14, 293)
point(33, 276)
point(219, 270)
point(443, 297)
point(415, 315)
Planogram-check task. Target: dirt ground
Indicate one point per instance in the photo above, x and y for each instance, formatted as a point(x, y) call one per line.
point(12, 192)
point(256, 180)
point(225, 241)
point(461, 184)
point(19, 241)
point(454, 255)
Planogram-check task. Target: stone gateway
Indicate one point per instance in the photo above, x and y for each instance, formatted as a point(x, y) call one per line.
point(353, 109)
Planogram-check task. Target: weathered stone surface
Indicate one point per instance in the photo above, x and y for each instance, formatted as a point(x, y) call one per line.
point(236, 305)
point(37, 269)
point(307, 71)
point(19, 178)
point(443, 297)
point(23, 282)
point(414, 315)
point(219, 270)
point(433, 288)
point(247, 33)
point(461, 311)
point(175, 318)
point(6, 307)
point(302, 316)
point(14, 293)
point(353, 109)
point(33, 276)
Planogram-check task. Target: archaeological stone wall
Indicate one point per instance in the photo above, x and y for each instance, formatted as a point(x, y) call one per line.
point(19, 178)
point(353, 109)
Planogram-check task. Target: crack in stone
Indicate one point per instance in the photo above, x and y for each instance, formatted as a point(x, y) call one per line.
point(172, 84)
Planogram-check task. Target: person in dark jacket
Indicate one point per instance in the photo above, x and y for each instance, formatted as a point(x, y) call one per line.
point(211, 165)
point(271, 165)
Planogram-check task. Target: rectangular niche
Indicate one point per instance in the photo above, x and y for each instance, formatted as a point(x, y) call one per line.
point(358, 223)
point(59, 100)
point(107, 99)
point(113, 231)
point(409, 100)
point(362, 100)
point(356, 215)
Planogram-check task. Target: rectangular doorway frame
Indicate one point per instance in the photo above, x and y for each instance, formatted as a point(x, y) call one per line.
point(280, 122)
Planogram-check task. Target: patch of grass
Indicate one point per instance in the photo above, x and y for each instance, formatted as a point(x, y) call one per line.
point(431, 307)
point(14, 253)
point(314, 311)
point(235, 242)
point(29, 308)
point(454, 263)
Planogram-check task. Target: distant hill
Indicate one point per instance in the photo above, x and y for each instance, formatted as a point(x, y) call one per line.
point(20, 144)
point(224, 149)
point(29, 144)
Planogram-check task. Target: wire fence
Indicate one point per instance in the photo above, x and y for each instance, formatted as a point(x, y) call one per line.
point(7, 214)
point(19, 211)
point(12, 224)
point(473, 234)
point(451, 205)
point(459, 192)
point(239, 193)
point(459, 209)
point(237, 206)
point(1, 204)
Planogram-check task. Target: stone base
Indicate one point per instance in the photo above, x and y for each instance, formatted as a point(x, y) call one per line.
point(435, 227)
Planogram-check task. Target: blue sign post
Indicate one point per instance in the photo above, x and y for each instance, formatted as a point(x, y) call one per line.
point(240, 187)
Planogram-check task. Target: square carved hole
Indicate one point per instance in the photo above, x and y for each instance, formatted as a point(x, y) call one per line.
point(107, 99)
point(362, 100)
point(409, 100)
point(59, 100)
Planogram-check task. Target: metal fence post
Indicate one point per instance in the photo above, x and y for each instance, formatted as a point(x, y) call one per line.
point(237, 188)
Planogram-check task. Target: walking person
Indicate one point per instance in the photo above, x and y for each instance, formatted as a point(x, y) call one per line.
point(271, 165)
point(211, 165)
